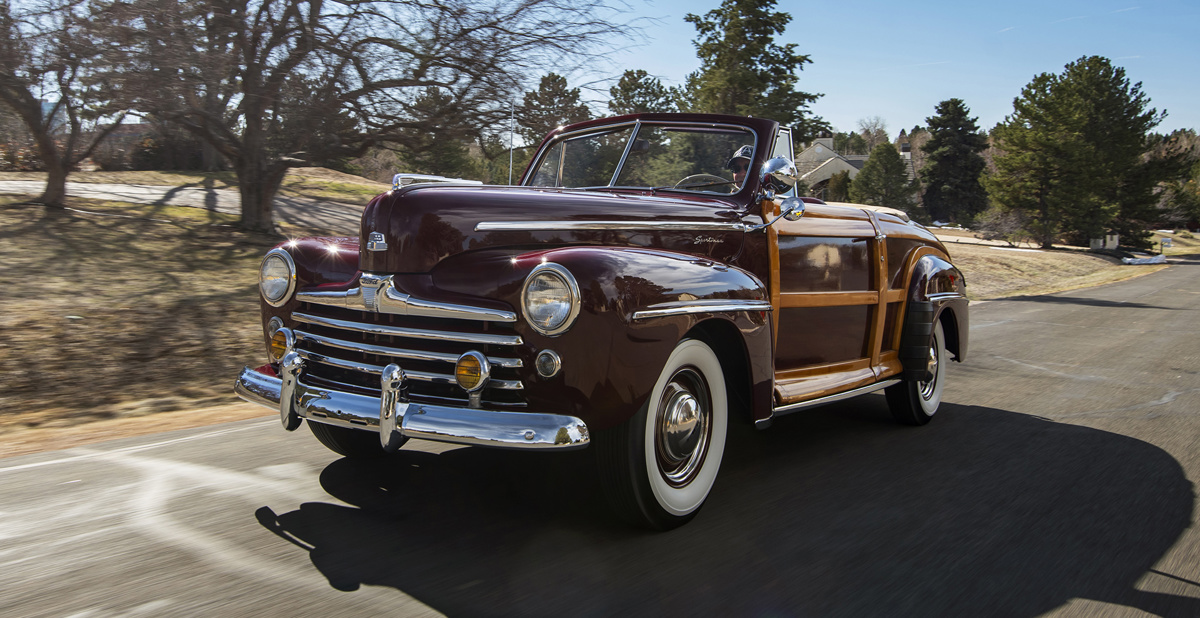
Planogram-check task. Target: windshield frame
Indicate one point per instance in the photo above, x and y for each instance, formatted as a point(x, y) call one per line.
point(570, 134)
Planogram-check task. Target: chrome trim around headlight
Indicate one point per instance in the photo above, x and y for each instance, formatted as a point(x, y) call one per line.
point(572, 286)
point(291, 264)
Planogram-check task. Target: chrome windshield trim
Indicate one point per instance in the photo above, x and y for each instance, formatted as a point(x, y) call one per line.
point(637, 126)
point(382, 350)
point(398, 331)
point(531, 171)
point(591, 226)
point(378, 294)
point(701, 306)
point(420, 376)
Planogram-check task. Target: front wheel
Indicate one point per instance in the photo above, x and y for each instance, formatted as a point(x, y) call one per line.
point(915, 402)
point(659, 467)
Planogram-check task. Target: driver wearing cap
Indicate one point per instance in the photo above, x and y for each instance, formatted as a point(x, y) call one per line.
point(740, 164)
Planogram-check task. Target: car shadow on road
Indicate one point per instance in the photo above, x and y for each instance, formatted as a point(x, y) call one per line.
point(834, 512)
point(1089, 302)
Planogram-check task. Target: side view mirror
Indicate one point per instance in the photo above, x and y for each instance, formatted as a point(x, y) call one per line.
point(792, 209)
point(778, 175)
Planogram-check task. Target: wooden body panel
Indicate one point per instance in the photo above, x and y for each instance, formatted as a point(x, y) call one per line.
point(839, 280)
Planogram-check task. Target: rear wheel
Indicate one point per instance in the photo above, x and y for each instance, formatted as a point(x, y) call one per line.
point(915, 402)
point(659, 467)
point(351, 443)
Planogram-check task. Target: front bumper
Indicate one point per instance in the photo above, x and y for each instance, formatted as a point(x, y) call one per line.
point(398, 418)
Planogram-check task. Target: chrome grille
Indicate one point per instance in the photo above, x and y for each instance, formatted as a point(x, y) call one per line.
point(347, 349)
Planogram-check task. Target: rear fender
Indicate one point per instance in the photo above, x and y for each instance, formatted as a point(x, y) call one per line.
point(936, 292)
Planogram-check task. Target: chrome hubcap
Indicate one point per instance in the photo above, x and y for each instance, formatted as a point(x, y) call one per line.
point(928, 387)
point(682, 428)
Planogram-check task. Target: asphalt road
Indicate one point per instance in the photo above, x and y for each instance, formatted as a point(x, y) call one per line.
point(321, 215)
point(1058, 478)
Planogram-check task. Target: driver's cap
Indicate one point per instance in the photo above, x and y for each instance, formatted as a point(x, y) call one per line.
point(742, 153)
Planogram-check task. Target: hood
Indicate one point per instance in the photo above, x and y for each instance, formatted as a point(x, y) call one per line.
point(423, 225)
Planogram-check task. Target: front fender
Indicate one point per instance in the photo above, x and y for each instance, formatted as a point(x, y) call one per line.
point(635, 307)
point(320, 261)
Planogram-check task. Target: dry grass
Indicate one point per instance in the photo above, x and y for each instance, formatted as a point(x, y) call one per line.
point(118, 310)
point(996, 272)
point(1182, 242)
point(311, 182)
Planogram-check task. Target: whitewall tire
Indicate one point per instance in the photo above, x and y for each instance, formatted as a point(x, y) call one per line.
point(659, 467)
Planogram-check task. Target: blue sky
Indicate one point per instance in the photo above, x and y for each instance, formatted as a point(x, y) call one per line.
point(897, 60)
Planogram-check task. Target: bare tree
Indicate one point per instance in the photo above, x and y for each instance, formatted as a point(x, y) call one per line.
point(44, 55)
point(274, 84)
point(873, 131)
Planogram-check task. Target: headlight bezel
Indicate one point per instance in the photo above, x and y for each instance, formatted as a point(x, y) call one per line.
point(560, 272)
point(287, 260)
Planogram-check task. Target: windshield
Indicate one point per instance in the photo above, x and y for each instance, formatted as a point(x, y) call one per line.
point(702, 158)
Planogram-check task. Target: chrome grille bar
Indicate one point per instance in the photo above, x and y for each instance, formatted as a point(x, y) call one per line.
point(398, 352)
point(420, 376)
point(413, 333)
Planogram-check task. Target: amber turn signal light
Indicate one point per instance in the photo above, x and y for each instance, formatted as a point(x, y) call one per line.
point(472, 371)
point(278, 344)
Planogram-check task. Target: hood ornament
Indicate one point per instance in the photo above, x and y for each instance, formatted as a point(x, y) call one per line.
point(375, 242)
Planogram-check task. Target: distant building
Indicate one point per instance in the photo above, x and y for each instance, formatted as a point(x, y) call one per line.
point(819, 162)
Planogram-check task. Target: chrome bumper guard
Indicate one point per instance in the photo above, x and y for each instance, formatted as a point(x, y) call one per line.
point(394, 417)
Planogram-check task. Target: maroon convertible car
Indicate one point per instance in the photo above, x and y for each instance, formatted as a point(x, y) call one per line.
point(651, 280)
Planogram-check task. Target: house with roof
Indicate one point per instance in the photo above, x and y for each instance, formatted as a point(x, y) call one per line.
point(819, 162)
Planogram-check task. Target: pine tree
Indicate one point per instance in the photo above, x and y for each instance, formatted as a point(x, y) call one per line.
point(953, 191)
point(551, 106)
point(442, 151)
point(838, 188)
point(883, 180)
point(745, 72)
point(638, 92)
point(1072, 155)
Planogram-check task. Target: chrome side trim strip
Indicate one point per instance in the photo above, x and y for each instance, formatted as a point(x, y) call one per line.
point(378, 293)
point(521, 430)
point(436, 378)
point(381, 350)
point(944, 296)
point(398, 331)
point(812, 403)
point(627, 226)
point(701, 306)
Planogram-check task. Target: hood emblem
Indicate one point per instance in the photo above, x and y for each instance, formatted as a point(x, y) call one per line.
point(375, 242)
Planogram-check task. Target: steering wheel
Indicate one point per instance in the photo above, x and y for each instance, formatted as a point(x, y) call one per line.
point(699, 181)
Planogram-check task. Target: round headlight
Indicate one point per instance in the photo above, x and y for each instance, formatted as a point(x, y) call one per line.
point(277, 277)
point(550, 299)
